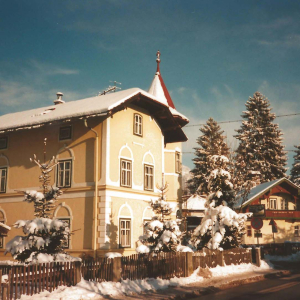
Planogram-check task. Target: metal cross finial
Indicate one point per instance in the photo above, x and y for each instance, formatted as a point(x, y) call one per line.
point(158, 60)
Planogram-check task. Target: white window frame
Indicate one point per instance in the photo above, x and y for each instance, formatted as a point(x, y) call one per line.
point(177, 162)
point(138, 125)
point(284, 204)
point(125, 232)
point(63, 173)
point(3, 178)
point(125, 173)
point(148, 178)
point(272, 202)
point(297, 230)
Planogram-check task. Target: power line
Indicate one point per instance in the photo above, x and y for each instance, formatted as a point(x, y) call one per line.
point(235, 121)
point(184, 152)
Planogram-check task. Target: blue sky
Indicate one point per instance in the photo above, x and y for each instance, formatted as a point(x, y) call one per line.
point(214, 55)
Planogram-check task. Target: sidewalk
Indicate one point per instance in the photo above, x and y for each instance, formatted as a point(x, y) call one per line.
point(205, 287)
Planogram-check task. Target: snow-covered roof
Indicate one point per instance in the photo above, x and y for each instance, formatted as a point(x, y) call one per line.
point(80, 108)
point(260, 190)
point(195, 202)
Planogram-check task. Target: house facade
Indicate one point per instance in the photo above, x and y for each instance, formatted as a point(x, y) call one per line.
point(112, 151)
point(276, 209)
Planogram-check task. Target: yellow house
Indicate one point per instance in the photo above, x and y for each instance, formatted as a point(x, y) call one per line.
point(276, 212)
point(111, 151)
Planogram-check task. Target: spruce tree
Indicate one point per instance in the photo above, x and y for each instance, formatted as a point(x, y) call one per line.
point(221, 227)
point(295, 171)
point(260, 153)
point(211, 142)
point(161, 233)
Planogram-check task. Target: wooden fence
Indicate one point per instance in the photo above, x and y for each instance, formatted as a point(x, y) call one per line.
point(212, 258)
point(29, 280)
point(282, 249)
point(99, 270)
point(163, 265)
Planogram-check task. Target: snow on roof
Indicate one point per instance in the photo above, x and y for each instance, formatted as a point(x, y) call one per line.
point(195, 202)
point(259, 190)
point(90, 106)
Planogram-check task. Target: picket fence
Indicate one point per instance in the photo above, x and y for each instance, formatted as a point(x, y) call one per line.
point(29, 280)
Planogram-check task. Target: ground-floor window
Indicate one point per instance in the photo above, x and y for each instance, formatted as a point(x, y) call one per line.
point(66, 244)
point(297, 230)
point(249, 230)
point(125, 233)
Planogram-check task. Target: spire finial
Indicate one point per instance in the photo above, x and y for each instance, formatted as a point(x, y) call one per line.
point(157, 60)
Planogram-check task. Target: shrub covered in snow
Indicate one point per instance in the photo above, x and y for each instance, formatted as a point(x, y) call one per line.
point(161, 233)
point(43, 235)
point(221, 227)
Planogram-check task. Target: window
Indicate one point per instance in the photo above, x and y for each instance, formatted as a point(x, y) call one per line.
point(138, 125)
point(125, 232)
point(297, 230)
point(177, 162)
point(2, 220)
point(64, 169)
point(273, 203)
point(66, 244)
point(65, 133)
point(3, 142)
point(148, 177)
point(3, 179)
point(284, 204)
point(249, 230)
point(125, 173)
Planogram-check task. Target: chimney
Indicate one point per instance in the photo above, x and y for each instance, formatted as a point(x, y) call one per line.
point(59, 99)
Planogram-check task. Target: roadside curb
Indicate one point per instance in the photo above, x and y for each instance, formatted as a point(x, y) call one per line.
point(198, 292)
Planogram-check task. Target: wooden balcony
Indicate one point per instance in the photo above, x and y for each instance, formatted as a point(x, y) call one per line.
point(282, 214)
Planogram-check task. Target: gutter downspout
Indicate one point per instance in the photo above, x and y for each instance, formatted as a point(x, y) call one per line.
point(95, 201)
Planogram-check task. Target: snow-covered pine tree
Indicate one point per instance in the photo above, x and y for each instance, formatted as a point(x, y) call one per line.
point(221, 227)
point(211, 142)
point(161, 233)
point(295, 171)
point(260, 152)
point(43, 235)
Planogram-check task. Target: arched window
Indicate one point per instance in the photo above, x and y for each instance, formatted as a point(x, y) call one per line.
point(125, 223)
point(2, 220)
point(63, 213)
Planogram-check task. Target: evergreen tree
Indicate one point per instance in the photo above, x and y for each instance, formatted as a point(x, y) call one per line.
point(260, 153)
point(42, 235)
point(162, 233)
point(295, 172)
point(211, 142)
point(221, 227)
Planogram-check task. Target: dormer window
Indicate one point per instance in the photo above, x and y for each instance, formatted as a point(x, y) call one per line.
point(3, 142)
point(138, 125)
point(65, 133)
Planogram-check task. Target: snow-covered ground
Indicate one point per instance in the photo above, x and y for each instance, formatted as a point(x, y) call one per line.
point(91, 290)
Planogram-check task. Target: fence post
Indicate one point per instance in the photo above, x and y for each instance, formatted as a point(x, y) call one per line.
point(258, 257)
point(77, 275)
point(188, 264)
point(4, 291)
point(116, 269)
point(222, 260)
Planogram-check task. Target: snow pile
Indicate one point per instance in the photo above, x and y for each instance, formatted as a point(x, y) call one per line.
point(292, 257)
point(112, 254)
